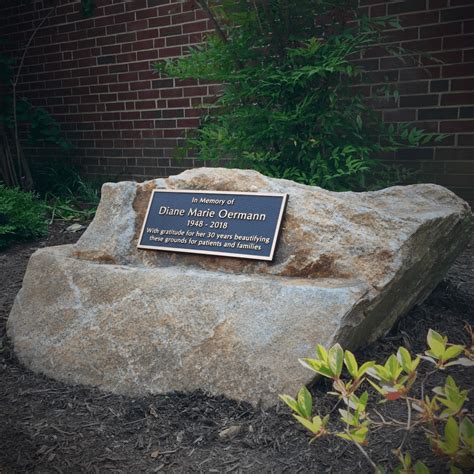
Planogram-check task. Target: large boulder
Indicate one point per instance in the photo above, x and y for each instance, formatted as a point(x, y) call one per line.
point(134, 321)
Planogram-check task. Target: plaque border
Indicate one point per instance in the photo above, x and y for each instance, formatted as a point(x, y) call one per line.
point(284, 202)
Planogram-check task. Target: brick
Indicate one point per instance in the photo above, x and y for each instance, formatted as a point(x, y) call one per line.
point(150, 13)
point(177, 40)
point(140, 85)
point(143, 55)
point(183, 17)
point(145, 44)
point(381, 76)
point(169, 9)
point(453, 154)
point(468, 55)
point(466, 112)
point(456, 180)
point(396, 63)
point(177, 103)
point(462, 84)
point(145, 104)
point(170, 30)
point(466, 140)
point(106, 60)
point(469, 26)
point(126, 37)
point(414, 154)
point(404, 6)
point(461, 98)
point(420, 73)
point(439, 86)
point(458, 42)
point(377, 11)
point(173, 113)
point(453, 14)
point(419, 100)
point(148, 74)
point(139, 66)
point(195, 91)
point(114, 9)
point(169, 52)
point(168, 93)
point(418, 87)
point(149, 94)
point(444, 29)
point(137, 25)
point(404, 34)
point(147, 34)
point(117, 68)
point(195, 26)
point(459, 126)
point(158, 22)
point(438, 114)
point(428, 45)
point(112, 49)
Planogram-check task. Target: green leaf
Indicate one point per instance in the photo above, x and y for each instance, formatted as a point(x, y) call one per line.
point(316, 366)
point(466, 432)
point(421, 468)
point(404, 358)
point(312, 425)
point(464, 361)
point(305, 402)
point(436, 342)
point(351, 363)
point(453, 351)
point(336, 358)
point(291, 402)
point(365, 367)
point(321, 353)
point(451, 435)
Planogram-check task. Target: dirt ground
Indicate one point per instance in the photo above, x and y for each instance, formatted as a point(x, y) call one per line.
point(49, 427)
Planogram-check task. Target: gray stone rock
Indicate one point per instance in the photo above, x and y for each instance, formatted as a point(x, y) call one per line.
point(105, 313)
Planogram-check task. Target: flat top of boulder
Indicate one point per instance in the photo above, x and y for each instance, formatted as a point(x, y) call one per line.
point(336, 235)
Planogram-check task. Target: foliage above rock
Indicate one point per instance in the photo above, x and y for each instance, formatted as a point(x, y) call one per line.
point(290, 107)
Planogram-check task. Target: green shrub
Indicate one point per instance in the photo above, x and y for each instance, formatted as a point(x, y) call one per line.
point(67, 195)
point(443, 417)
point(22, 216)
point(289, 108)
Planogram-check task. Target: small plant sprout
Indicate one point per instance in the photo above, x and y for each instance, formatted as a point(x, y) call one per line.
point(457, 443)
point(303, 407)
point(406, 466)
point(443, 417)
point(452, 397)
point(440, 352)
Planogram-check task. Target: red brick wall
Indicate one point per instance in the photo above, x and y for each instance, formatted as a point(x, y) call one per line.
point(436, 88)
point(94, 75)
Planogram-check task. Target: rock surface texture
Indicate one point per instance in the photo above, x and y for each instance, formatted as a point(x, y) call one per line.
point(133, 321)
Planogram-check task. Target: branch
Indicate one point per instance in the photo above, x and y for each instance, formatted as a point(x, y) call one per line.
point(407, 428)
point(17, 76)
point(364, 452)
point(22, 164)
point(205, 6)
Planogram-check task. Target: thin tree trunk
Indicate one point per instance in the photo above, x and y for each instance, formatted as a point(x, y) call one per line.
point(25, 180)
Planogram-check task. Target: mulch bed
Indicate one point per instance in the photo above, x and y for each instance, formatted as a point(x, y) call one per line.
point(50, 427)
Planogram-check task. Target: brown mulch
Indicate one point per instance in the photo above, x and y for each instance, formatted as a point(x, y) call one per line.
point(50, 427)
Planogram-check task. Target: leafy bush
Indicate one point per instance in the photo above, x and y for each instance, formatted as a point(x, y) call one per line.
point(443, 417)
point(67, 195)
point(22, 216)
point(289, 107)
